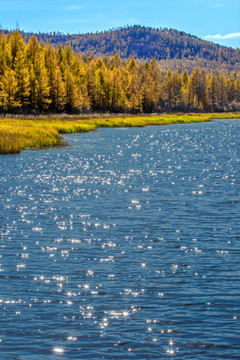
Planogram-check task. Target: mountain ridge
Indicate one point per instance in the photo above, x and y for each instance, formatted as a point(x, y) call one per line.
point(170, 47)
point(37, 77)
point(144, 43)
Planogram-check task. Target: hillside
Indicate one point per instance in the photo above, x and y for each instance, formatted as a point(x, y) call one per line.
point(37, 77)
point(170, 47)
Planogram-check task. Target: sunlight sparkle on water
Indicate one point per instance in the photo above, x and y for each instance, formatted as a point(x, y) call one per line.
point(125, 313)
point(140, 282)
point(58, 350)
point(170, 352)
point(72, 338)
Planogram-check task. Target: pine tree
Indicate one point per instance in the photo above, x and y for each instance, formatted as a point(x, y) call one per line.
point(118, 100)
point(80, 79)
point(33, 88)
point(212, 90)
point(9, 89)
point(32, 51)
point(23, 81)
point(43, 89)
point(17, 45)
point(115, 62)
point(55, 82)
point(197, 88)
point(4, 49)
point(67, 55)
point(132, 65)
point(230, 90)
point(73, 99)
point(59, 91)
point(39, 86)
point(237, 90)
point(168, 85)
point(222, 93)
point(90, 85)
point(147, 88)
point(102, 91)
point(133, 92)
point(2, 96)
point(176, 88)
point(185, 90)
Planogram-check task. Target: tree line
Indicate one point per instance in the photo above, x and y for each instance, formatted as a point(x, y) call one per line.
point(37, 77)
point(168, 45)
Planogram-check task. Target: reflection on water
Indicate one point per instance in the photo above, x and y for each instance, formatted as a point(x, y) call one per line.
point(123, 246)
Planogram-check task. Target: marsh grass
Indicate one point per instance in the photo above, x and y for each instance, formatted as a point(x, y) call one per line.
point(19, 134)
point(16, 135)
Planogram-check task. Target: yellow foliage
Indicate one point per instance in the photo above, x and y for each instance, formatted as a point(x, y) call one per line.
point(16, 135)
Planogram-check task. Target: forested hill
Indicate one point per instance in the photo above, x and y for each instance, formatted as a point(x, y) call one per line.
point(170, 47)
point(37, 77)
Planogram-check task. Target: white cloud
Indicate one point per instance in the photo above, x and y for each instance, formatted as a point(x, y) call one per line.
point(222, 37)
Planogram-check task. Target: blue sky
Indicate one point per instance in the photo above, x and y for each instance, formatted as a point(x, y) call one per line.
point(214, 20)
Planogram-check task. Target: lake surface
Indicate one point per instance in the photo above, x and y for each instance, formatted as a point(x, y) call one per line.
point(125, 245)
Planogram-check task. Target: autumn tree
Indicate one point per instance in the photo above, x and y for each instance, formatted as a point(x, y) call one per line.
point(38, 77)
point(9, 89)
point(185, 90)
point(72, 97)
point(23, 81)
point(17, 47)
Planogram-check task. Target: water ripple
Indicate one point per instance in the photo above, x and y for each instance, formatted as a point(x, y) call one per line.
point(123, 246)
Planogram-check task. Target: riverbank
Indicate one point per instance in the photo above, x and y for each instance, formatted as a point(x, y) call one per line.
point(17, 133)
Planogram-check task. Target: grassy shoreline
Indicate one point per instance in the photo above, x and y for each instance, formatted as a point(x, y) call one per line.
point(17, 134)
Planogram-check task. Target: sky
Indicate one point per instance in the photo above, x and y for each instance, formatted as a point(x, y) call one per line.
point(214, 20)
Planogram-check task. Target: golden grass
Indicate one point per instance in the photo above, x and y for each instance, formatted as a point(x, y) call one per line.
point(19, 134)
point(16, 135)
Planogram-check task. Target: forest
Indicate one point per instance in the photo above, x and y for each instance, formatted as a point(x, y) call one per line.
point(37, 77)
point(170, 47)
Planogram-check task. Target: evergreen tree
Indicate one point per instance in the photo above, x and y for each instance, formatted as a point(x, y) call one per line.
point(212, 93)
point(73, 99)
point(39, 77)
point(33, 88)
point(17, 45)
point(185, 90)
point(32, 50)
point(43, 89)
point(23, 81)
point(9, 89)
point(4, 49)
point(168, 85)
point(59, 96)
point(118, 99)
point(147, 89)
point(90, 85)
point(134, 95)
point(102, 91)
point(237, 90)
point(55, 81)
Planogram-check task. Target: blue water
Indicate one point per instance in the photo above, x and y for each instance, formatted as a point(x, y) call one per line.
point(124, 245)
